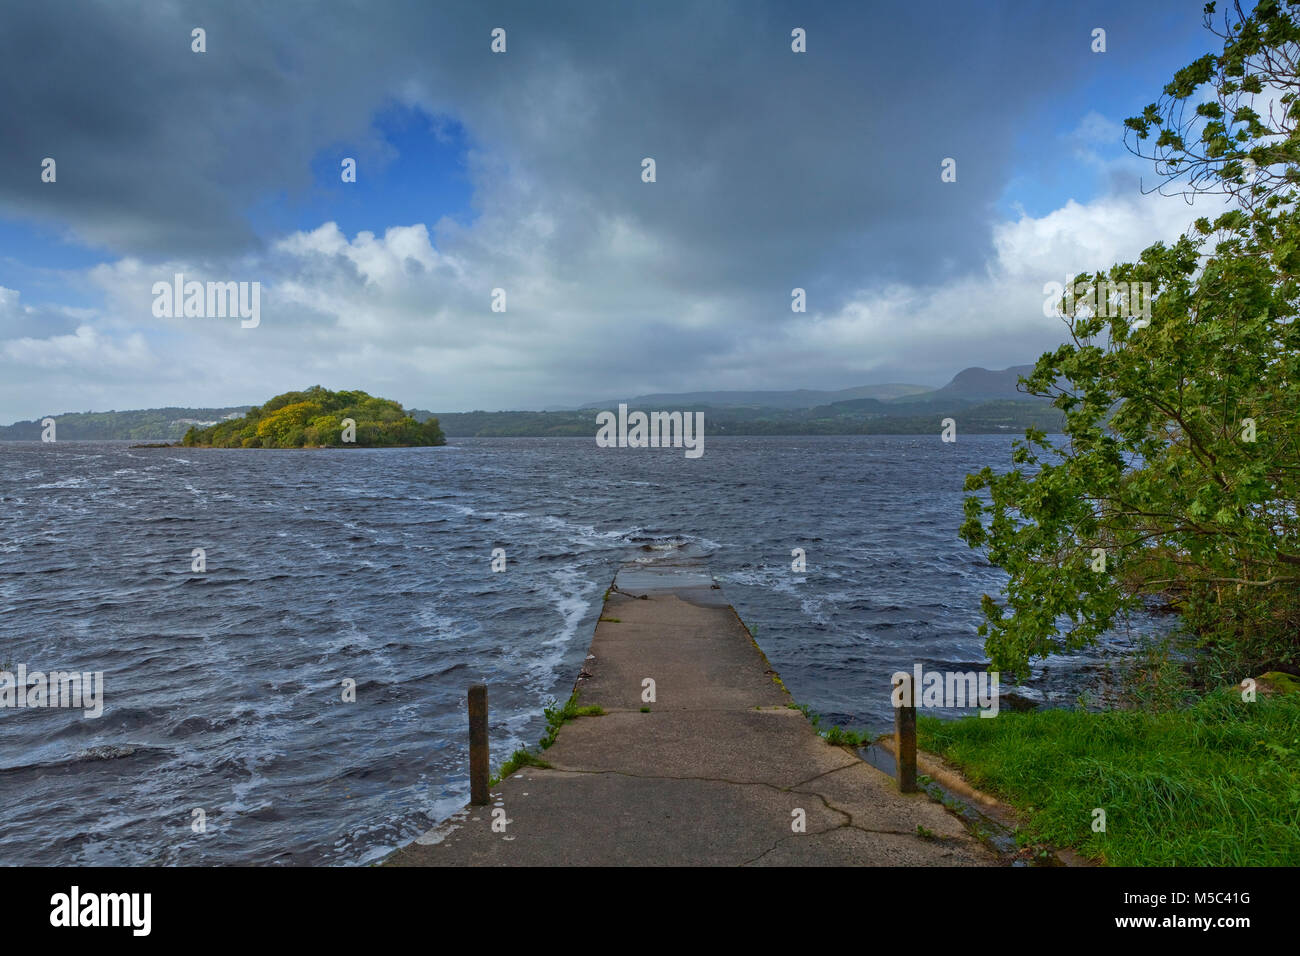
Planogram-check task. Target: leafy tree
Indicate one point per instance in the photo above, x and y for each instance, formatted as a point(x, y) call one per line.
point(285, 422)
point(1179, 466)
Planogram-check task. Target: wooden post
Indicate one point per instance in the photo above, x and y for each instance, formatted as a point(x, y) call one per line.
point(905, 740)
point(478, 745)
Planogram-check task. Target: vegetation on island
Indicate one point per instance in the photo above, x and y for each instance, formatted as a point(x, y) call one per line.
point(1176, 486)
point(316, 418)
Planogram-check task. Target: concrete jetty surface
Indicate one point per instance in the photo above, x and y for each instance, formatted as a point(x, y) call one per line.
point(719, 772)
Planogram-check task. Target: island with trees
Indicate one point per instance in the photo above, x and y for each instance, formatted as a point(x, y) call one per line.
point(320, 418)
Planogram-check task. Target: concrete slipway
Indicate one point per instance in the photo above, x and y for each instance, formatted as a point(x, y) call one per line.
point(713, 775)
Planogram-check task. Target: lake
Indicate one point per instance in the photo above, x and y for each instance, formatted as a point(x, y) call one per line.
point(224, 688)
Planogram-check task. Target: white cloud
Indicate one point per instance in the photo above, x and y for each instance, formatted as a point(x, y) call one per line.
point(85, 350)
point(998, 317)
point(595, 309)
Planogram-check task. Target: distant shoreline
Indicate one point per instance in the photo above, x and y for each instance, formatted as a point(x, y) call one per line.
point(1014, 433)
point(256, 447)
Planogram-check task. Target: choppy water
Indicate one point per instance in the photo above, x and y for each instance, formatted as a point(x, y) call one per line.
point(223, 689)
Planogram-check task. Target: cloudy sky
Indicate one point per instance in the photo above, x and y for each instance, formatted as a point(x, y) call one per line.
point(522, 171)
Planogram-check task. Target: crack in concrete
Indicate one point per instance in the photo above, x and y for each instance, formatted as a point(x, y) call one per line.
point(842, 826)
point(952, 844)
point(737, 783)
point(611, 709)
point(850, 822)
point(852, 763)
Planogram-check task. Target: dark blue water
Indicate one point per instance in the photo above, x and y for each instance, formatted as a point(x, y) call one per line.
point(224, 689)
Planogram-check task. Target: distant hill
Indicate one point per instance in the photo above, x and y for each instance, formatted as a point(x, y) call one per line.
point(977, 385)
point(969, 385)
point(147, 424)
point(981, 400)
point(866, 416)
point(799, 398)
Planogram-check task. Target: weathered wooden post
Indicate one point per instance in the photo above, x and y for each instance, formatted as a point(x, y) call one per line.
point(478, 745)
point(905, 737)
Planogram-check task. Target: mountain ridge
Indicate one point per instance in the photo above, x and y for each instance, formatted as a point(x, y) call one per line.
point(973, 382)
point(858, 410)
point(765, 398)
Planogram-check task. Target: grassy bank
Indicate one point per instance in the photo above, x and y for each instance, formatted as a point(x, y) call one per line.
point(1214, 783)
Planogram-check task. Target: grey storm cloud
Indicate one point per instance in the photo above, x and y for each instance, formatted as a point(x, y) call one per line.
point(774, 170)
point(765, 159)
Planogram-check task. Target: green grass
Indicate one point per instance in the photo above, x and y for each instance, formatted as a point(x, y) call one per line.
point(1216, 783)
point(520, 758)
point(837, 735)
point(840, 737)
point(556, 717)
point(613, 620)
